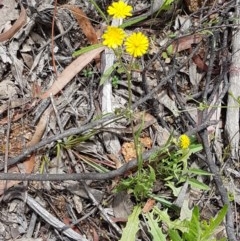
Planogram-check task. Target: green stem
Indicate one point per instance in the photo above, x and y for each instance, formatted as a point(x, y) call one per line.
point(100, 11)
point(128, 71)
point(135, 135)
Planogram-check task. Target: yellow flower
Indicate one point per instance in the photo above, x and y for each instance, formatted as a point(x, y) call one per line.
point(137, 44)
point(184, 141)
point(113, 37)
point(120, 10)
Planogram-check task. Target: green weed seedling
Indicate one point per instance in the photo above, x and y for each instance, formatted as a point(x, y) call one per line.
point(140, 185)
point(115, 81)
point(45, 162)
point(88, 73)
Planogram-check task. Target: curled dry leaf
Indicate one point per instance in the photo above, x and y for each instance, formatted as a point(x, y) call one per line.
point(184, 43)
point(16, 26)
point(200, 63)
point(84, 23)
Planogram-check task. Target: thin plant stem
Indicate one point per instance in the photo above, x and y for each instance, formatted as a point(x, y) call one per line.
point(128, 70)
point(130, 113)
point(100, 11)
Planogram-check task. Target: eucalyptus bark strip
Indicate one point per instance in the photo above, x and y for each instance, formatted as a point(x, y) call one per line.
point(232, 118)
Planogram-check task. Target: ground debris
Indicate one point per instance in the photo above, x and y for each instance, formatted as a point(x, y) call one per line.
point(57, 119)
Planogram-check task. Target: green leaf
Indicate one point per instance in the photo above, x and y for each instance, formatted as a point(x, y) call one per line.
point(194, 227)
point(185, 213)
point(197, 184)
point(164, 55)
point(214, 223)
point(175, 190)
point(165, 218)
point(166, 5)
point(86, 49)
point(174, 235)
point(96, 166)
point(222, 239)
point(154, 229)
point(45, 161)
point(99, 10)
point(170, 49)
point(132, 227)
point(106, 75)
point(199, 172)
point(161, 200)
point(143, 183)
point(152, 175)
point(194, 148)
point(155, 156)
point(163, 214)
point(132, 21)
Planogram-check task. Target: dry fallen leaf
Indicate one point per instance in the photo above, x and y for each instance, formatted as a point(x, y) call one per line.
point(84, 23)
point(141, 120)
point(147, 142)
point(8, 12)
point(70, 71)
point(129, 151)
point(200, 63)
point(16, 26)
point(148, 205)
point(122, 205)
point(186, 42)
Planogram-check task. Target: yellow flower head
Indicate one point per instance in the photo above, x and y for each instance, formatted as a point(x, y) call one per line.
point(120, 10)
point(137, 44)
point(184, 141)
point(113, 37)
